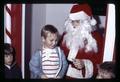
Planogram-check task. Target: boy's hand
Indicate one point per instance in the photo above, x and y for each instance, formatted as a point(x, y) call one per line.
point(44, 77)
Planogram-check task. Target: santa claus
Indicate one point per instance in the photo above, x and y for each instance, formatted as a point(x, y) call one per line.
point(82, 43)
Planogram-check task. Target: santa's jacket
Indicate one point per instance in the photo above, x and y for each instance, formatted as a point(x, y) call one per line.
point(96, 58)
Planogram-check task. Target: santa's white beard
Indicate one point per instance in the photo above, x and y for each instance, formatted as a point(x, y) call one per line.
point(75, 38)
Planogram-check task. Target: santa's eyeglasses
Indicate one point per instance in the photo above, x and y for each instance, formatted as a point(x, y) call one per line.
point(75, 21)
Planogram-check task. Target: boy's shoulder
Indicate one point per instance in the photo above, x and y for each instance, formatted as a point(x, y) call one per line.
point(60, 51)
point(57, 47)
point(37, 51)
point(15, 66)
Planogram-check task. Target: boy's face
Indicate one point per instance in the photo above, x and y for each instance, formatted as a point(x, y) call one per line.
point(103, 74)
point(50, 41)
point(8, 59)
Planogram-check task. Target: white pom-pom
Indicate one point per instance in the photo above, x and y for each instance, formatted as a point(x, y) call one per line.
point(93, 22)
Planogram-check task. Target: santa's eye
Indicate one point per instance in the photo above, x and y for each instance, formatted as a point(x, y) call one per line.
point(75, 21)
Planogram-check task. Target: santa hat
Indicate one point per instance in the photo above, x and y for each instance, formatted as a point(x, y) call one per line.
point(81, 12)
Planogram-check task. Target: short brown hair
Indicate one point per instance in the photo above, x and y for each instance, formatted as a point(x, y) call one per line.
point(109, 67)
point(48, 28)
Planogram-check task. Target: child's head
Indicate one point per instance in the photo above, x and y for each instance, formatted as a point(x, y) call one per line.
point(49, 36)
point(9, 54)
point(106, 70)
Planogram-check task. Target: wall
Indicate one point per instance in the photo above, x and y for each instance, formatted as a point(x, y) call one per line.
point(42, 14)
point(56, 15)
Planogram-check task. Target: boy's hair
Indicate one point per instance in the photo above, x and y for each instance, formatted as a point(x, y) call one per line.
point(9, 50)
point(48, 28)
point(109, 67)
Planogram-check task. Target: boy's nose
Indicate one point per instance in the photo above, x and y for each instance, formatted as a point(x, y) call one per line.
point(9, 57)
point(54, 43)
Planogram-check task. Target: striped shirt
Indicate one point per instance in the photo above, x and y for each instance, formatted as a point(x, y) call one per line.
point(50, 62)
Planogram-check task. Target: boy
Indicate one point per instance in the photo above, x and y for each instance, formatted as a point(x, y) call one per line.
point(50, 62)
point(106, 70)
point(11, 68)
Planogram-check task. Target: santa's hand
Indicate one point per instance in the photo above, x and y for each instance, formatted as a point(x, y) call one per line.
point(79, 64)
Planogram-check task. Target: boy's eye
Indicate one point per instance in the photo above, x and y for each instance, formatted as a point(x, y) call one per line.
point(51, 40)
point(6, 55)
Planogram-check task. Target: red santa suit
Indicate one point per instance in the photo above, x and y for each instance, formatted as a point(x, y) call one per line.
point(83, 42)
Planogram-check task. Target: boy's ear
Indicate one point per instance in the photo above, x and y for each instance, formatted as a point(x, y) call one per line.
point(43, 39)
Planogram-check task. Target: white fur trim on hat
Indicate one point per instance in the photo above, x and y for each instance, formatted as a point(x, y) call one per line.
point(78, 16)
